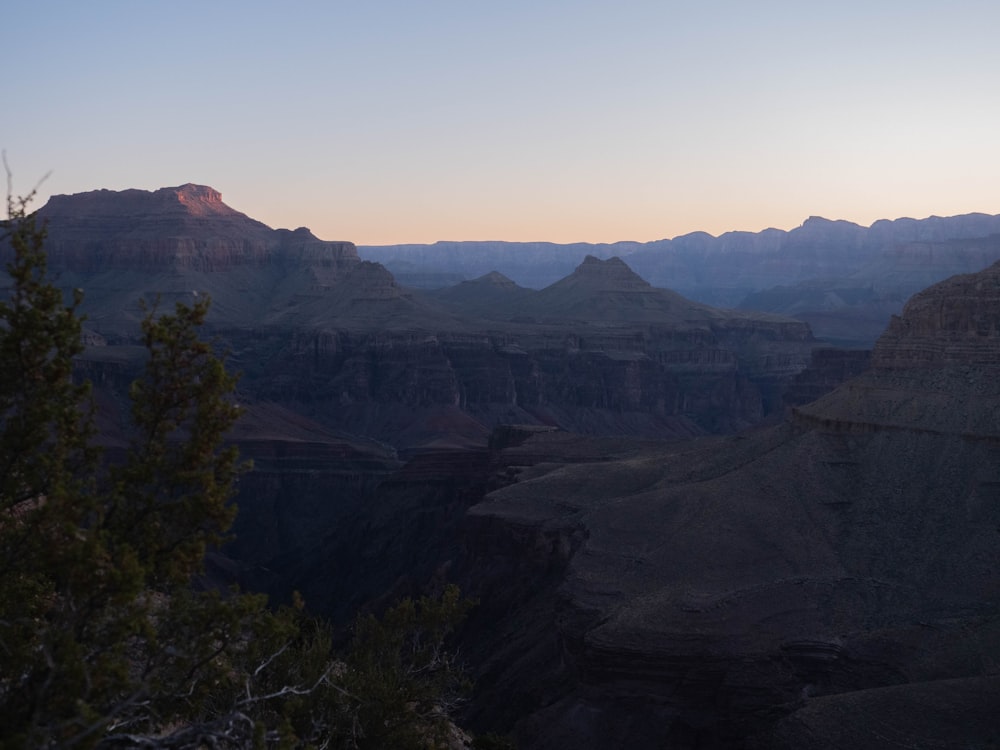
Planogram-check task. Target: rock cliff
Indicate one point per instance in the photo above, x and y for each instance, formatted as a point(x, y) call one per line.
point(936, 367)
point(601, 351)
point(185, 228)
point(123, 247)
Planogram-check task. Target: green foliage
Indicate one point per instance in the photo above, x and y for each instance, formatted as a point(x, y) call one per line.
point(46, 490)
point(403, 679)
point(104, 642)
point(393, 689)
point(97, 618)
point(169, 500)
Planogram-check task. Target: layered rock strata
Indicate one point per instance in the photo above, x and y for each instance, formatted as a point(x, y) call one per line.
point(185, 228)
point(314, 327)
point(936, 367)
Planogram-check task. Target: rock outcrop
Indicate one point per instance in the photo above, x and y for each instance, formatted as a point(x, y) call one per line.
point(936, 368)
point(185, 228)
point(174, 244)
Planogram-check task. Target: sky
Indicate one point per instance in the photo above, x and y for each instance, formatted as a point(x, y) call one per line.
point(392, 121)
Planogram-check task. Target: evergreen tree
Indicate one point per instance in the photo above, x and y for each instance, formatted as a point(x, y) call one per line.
point(104, 641)
point(98, 619)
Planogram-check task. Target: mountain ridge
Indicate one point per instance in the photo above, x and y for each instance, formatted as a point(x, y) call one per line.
point(844, 279)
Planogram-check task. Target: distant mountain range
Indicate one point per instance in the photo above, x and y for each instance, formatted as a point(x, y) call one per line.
point(845, 280)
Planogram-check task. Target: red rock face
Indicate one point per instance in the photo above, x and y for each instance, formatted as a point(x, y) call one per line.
point(185, 228)
point(190, 199)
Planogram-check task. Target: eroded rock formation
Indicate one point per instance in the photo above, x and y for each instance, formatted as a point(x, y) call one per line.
point(936, 367)
point(185, 228)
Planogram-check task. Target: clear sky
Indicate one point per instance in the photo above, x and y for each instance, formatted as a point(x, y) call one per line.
point(387, 121)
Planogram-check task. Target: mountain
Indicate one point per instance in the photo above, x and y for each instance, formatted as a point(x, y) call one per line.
point(843, 279)
point(317, 329)
point(492, 295)
point(609, 290)
point(831, 581)
point(177, 243)
point(596, 292)
point(531, 264)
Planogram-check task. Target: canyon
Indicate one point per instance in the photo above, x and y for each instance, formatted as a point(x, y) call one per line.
point(830, 581)
point(312, 326)
point(686, 526)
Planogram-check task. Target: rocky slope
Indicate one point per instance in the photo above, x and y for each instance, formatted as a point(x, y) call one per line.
point(844, 563)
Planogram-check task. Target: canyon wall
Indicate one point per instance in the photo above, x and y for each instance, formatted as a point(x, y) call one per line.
point(755, 590)
point(315, 328)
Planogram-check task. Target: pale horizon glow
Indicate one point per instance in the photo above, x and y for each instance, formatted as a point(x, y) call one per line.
point(590, 121)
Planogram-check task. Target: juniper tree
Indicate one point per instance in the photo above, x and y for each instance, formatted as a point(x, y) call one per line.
point(98, 619)
point(104, 642)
